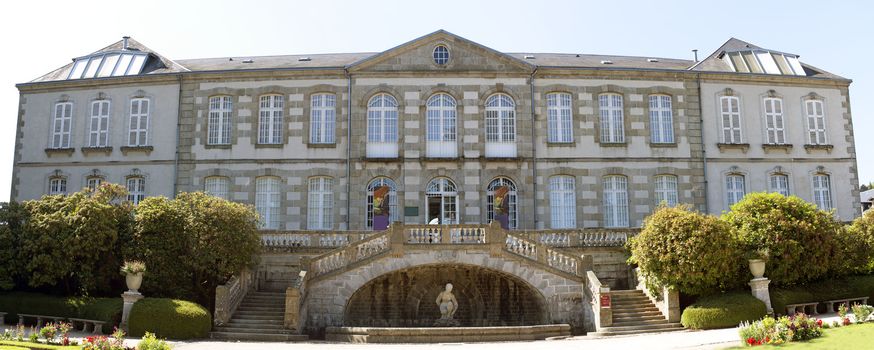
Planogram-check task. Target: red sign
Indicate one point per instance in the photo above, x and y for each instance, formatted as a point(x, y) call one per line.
point(605, 300)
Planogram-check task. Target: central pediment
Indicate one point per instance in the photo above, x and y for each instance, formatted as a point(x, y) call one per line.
point(441, 51)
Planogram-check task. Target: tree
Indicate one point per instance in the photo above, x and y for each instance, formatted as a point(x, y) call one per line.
point(12, 216)
point(193, 243)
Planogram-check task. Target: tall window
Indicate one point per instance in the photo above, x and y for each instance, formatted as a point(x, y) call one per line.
point(441, 197)
point(513, 212)
point(822, 191)
point(666, 190)
point(267, 201)
point(61, 125)
point(730, 110)
point(93, 182)
point(612, 118)
point(559, 117)
point(323, 118)
point(219, 128)
point(441, 126)
point(321, 204)
point(392, 200)
point(218, 186)
point(136, 189)
point(816, 122)
point(57, 185)
point(270, 119)
point(661, 119)
point(779, 183)
point(139, 122)
point(99, 124)
point(562, 202)
point(500, 126)
point(615, 201)
point(382, 126)
point(774, 121)
point(735, 188)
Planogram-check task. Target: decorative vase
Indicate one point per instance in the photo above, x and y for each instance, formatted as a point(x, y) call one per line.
point(134, 280)
point(757, 268)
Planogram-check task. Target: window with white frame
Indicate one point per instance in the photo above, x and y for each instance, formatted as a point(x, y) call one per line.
point(136, 189)
point(735, 188)
point(512, 199)
point(139, 122)
point(267, 201)
point(730, 112)
point(816, 122)
point(615, 201)
point(57, 185)
point(774, 121)
point(441, 55)
point(441, 117)
point(321, 204)
point(661, 119)
point(98, 135)
point(93, 182)
point(323, 118)
point(822, 191)
point(218, 186)
point(779, 183)
point(666, 190)
point(270, 123)
point(382, 126)
point(441, 202)
point(612, 118)
point(500, 126)
point(62, 122)
point(559, 117)
point(392, 200)
point(562, 202)
point(219, 128)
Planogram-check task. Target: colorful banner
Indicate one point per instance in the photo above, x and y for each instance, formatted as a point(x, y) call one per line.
point(501, 206)
point(381, 212)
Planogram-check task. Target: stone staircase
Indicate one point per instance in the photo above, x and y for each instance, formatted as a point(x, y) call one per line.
point(634, 313)
point(259, 317)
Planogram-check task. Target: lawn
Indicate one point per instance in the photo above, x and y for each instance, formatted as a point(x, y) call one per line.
point(9, 344)
point(850, 337)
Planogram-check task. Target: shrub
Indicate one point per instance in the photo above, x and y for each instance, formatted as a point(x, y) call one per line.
point(861, 234)
point(689, 251)
point(723, 310)
point(168, 318)
point(150, 342)
point(12, 216)
point(102, 309)
point(862, 312)
point(823, 290)
point(799, 238)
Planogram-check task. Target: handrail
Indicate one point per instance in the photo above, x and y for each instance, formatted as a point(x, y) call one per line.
point(285, 240)
point(603, 313)
point(539, 252)
point(229, 295)
point(581, 237)
point(445, 234)
point(344, 256)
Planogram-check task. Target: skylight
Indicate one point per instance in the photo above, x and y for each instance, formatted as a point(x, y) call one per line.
point(109, 64)
point(763, 62)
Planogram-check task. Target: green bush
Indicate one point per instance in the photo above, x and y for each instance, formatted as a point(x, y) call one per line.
point(101, 309)
point(799, 237)
point(689, 251)
point(838, 288)
point(168, 318)
point(861, 234)
point(723, 310)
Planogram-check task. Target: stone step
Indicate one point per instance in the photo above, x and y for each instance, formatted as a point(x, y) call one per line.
point(631, 308)
point(635, 304)
point(641, 328)
point(271, 321)
point(628, 315)
point(627, 292)
point(267, 294)
point(265, 297)
point(252, 330)
point(627, 318)
point(271, 314)
point(271, 327)
point(258, 336)
point(630, 299)
point(615, 333)
point(257, 317)
point(260, 308)
point(627, 323)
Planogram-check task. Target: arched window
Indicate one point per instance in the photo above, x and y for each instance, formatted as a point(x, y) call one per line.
point(270, 123)
point(563, 202)
point(98, 125)
point(612, 118)
point(559, 115)
point(815, 122)
point(136, 189)
point(442, 202)
point(219, 123)
point(615, 201)
point(392, 200)
point(57, 185)
point(320, 208)
point(735, 188)
point(666, 190)
point(822, 191)
point(500, 126)
point(779, 183)
point(661, 119)
point(730, 113)
point(218, 186)
point(323, 118)
point(774, 121)
point(62, 122)
point(512, 199)
point(441, 126)
point(138, 130)
point(267, 199)
point(382, 126)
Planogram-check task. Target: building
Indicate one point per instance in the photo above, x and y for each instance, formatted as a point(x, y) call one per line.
point(867, 198)
point(580, 141)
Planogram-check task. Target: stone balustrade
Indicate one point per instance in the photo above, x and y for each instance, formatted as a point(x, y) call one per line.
point(600, 294)
point(315, 239)
point(595, 237)
point(229, 295)
point(446, 234)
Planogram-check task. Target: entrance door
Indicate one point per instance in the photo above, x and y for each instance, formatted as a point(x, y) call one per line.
point(442, 202)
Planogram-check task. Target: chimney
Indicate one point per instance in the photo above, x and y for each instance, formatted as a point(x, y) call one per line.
point(695, 52)
point(124, 42)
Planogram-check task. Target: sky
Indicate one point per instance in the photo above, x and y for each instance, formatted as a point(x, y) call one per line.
point(40, 36)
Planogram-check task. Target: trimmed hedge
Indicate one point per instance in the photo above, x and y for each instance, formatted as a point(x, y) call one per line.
point(101, 309)
point(838, 288)
point(169, 318)
point(723, 310)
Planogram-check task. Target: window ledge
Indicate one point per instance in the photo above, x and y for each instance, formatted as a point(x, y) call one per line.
point(613, 144)
point(809, 148)
point(440, 159)
point(269, 145)
point(663, 145)
point(775, 146)
point(321, 145)
point(89, 150)
point(381, 159)
point(224, 146)
point(506, 159)
point(743, 147)
point(62, 151)
point(561, 144)
point(133, 149)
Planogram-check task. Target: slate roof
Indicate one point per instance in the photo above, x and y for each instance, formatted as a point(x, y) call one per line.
point(714, 63)
point(867, 196)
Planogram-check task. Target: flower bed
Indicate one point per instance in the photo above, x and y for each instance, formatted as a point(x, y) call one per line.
point(771, 331)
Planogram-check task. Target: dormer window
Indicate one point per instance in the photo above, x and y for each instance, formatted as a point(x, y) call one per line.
point(763, 62)
point(109, 64)
point(441, 54)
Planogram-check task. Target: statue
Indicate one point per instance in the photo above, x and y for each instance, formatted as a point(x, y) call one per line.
point(448, 305)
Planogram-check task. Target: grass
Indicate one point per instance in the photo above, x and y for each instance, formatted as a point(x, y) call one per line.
point(848, 337)
point(17, 345)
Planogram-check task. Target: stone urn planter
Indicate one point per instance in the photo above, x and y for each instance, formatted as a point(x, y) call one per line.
point(757, 267)
point(134, 280)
